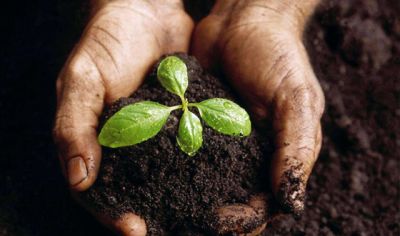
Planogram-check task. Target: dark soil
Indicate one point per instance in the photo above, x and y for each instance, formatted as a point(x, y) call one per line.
point(169, 189)
point(354, 189)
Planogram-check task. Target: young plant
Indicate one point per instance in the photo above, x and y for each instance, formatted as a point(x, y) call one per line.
point(140, 121)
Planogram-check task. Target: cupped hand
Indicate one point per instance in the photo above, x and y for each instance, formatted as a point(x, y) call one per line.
point(258, 45)
point(119, 45)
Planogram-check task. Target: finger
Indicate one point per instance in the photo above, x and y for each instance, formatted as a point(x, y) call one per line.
point(297, 126)
point(242, 219)
point(125, 38)
point(80, 102)
point(128, 224)
point(104, 67)
point(81, 92)
point(204, 42)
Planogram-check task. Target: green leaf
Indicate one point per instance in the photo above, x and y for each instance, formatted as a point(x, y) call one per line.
point(225, 116)
point(190, 137)
point(134, 124)
point(172, 74)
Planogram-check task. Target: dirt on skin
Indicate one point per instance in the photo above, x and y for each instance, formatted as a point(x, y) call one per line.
point(169, 189)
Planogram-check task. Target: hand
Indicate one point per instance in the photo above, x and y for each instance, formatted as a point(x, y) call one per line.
point(259, 46)
point(122, 41)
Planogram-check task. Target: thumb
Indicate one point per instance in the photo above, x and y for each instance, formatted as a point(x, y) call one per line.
point(80, 102)
point(242, 219)
point(127, 224)
point(204, 41)
point(298, 141)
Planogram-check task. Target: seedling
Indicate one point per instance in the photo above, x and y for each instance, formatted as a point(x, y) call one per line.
point(141, 121)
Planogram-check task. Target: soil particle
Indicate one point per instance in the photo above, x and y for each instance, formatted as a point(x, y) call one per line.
point(291, 191)
point(171, 190)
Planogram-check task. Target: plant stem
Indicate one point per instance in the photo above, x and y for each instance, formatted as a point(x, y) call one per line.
point(184, 103)
point(175, 107)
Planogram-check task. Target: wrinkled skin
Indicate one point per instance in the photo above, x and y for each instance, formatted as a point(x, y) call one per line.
point(119, 45)
point(256, 43)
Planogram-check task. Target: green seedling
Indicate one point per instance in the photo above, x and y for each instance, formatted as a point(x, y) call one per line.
point(141, 121)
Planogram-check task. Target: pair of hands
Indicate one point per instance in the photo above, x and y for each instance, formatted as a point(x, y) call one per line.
point(256, 43)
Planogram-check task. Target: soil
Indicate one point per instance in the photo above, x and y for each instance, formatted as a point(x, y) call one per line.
point(169, 189)
point(354, 189)
point(354, 47)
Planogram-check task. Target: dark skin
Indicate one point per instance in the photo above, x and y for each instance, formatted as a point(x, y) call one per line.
point(256, 43)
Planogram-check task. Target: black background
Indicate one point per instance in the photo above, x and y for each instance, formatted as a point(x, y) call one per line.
point(36, 39)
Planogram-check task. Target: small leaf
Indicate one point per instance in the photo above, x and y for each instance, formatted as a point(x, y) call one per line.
point(190, 137)
point(225, 116)
point(172, 74)
point(134, 124)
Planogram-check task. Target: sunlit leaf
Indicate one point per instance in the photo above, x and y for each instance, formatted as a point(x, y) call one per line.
point(190, 137)
point(172, 74)
point(225, 116)
point(134, 124)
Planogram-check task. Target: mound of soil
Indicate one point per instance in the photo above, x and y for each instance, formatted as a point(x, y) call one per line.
point(169, 189)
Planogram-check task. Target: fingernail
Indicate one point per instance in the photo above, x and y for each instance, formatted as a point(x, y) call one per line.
point(77, 171)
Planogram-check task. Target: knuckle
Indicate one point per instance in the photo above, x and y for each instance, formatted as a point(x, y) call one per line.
point(75, 69)
point(302, 94)
point(297, 99)
point(63, 133)
point(305, 98)
point(82, 74)
point(72, 74)
point(80, 68)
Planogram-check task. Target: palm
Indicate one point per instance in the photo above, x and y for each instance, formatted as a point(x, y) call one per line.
point(268, 65)
point(121, 42)
point(258, 49)
point(119, 45)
